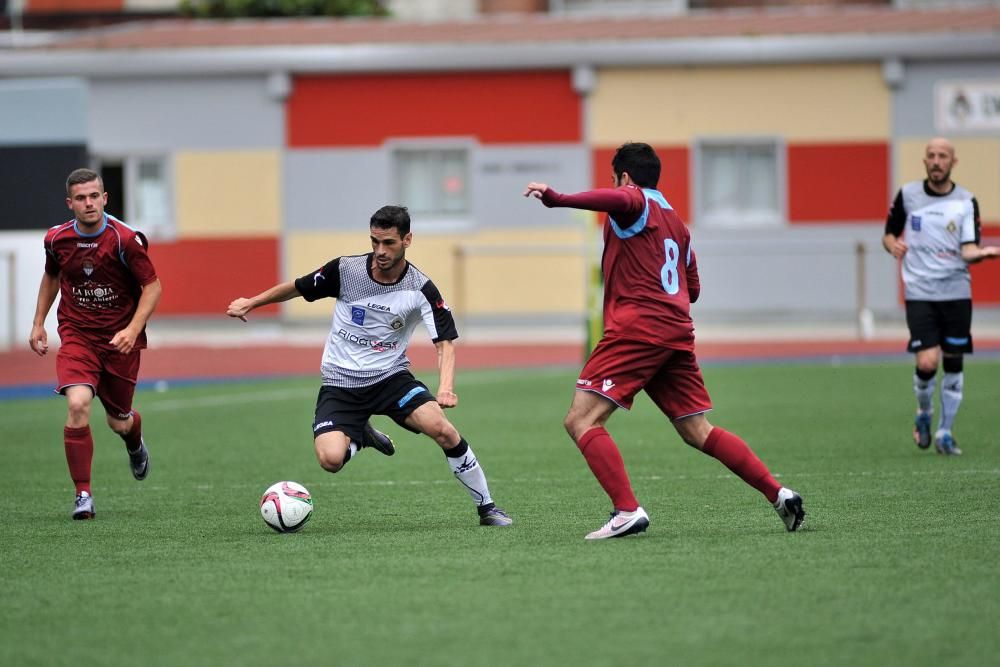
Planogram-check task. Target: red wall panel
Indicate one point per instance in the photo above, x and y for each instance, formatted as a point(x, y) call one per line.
point(986, 284)
point(500, 107)
point(674, 179)
point(986, 275)
point(847, 182)
point(81, 6)
point(202, 276)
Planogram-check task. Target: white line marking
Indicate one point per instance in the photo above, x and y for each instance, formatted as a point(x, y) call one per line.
point(341, 481)
point(153, 405)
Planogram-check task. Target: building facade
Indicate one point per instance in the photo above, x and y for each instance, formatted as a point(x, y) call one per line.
point(251, 152)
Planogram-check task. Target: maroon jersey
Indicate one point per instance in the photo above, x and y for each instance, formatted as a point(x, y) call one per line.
point(650, 271)
point(101, 276)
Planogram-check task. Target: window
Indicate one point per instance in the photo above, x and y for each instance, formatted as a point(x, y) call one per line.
point(739, 183)
point(617, 6)
point(433, 182)
point(139, 193)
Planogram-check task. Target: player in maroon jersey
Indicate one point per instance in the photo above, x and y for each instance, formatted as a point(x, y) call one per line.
point(108, 289)
point(650, 281)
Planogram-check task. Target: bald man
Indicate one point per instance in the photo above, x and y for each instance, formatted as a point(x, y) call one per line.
point(933, 227)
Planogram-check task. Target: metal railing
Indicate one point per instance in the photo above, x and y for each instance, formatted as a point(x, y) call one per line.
point(855, 252)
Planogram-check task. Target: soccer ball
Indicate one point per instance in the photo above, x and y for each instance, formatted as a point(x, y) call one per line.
point(286, 506)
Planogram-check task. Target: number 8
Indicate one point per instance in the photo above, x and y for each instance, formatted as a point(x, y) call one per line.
point(668, 274)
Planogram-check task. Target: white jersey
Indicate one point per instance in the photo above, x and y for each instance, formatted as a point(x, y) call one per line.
point(372, 321)
point(935, 228)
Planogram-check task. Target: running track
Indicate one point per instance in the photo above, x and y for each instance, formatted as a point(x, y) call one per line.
point(23, 369)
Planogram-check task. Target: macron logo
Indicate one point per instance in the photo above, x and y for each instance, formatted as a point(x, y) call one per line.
point(607, 385)
point(317, 277)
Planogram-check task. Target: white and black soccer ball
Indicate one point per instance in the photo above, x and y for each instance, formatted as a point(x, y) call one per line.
point(286, 506)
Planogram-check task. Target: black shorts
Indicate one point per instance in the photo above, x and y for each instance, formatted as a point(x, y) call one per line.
point(944, 323)
point(347, 410)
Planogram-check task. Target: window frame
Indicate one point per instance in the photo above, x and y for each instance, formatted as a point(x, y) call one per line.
point(130, 164)
point(703, 213)
point(439, 220)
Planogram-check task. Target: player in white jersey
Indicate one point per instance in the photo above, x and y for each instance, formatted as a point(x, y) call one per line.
point(933, 226)
point(381, 298)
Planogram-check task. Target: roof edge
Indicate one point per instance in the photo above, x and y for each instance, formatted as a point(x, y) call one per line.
point(374, 58)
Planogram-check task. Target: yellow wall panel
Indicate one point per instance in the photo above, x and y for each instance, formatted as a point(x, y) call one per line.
point(978, 169)
point(797, 102)
point(519, 272)
point(232, 193)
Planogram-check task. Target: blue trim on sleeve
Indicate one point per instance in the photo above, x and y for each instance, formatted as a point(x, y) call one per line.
point(640, 224)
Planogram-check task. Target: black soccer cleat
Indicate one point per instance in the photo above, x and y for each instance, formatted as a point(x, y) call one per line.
point(491, 515)
point(377, 440)
point(138, 461)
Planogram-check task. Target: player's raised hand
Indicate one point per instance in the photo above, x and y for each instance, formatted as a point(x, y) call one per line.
point(239, 308)
point(39, 340)
point(535, 190)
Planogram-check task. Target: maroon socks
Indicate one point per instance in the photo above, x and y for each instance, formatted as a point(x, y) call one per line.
point(79, 454)
point(606, 463)
point(736, 455)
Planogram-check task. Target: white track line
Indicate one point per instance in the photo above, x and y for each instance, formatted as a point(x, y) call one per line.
point(152, 403)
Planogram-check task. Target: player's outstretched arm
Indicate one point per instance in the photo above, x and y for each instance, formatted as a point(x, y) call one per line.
point(536, 190)
point(973, 254)
point(604, 200)
point(47, 291)
point(446, 396)
point(282, 292)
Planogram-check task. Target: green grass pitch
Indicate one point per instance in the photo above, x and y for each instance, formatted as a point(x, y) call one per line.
point(897, 563)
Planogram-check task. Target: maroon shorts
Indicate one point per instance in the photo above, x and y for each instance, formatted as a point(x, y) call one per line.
point(111, 375)
point(618, 369)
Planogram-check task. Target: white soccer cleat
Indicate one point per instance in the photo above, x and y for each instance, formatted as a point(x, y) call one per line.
point(621, 524)
point(789, 508)
point(945, 443)
point(83, 508)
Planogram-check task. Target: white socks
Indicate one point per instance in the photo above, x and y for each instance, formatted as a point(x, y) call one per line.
point(467, 471)
point(924, 389)
point(951, 398)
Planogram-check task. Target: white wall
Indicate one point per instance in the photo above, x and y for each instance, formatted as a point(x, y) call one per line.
point(163, 115)
point(22, 261)
point(801, 272)
point(43, 111)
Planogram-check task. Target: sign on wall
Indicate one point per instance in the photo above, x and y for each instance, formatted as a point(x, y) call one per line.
point(967, 105)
